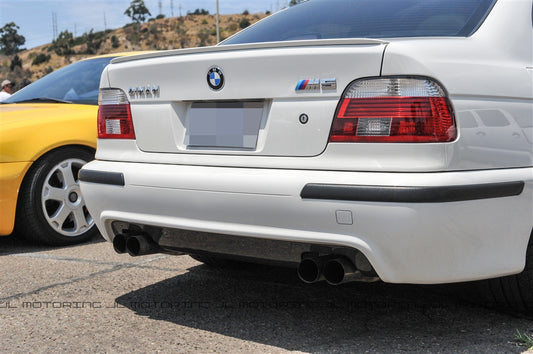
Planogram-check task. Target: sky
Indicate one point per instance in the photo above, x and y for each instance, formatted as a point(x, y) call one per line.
point(35, 18)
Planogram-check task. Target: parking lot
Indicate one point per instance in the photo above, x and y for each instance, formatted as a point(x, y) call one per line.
point(88, 298)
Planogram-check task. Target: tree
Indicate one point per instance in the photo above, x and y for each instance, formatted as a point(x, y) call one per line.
point(198, 12)
point(10, 40)
point(137, 11)
point(94, 41)
point(16, 62)
point(63, 44)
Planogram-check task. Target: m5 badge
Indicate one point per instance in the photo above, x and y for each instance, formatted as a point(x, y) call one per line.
point(316, 85)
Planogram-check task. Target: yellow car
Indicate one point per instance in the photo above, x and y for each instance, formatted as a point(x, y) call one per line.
point(47, 133)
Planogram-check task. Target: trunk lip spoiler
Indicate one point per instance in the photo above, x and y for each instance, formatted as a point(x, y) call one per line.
point(252, 46)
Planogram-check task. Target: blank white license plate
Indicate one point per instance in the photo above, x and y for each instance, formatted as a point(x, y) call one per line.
point(224, 124)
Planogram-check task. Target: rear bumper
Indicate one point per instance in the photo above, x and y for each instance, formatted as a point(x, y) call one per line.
point(412, 227)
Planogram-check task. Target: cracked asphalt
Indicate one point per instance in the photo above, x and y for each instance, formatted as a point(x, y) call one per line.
point(87, 298)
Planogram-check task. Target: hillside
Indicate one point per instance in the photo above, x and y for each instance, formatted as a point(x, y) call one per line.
point(160, 34)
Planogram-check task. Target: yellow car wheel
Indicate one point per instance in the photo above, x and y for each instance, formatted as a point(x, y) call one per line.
point(51, 209)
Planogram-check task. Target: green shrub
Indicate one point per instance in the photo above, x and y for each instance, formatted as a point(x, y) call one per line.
point(115, 42)
point(41, 58)
point(244, 23)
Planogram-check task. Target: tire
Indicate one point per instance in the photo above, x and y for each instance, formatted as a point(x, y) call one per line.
point(50, 208)
point(514, 292)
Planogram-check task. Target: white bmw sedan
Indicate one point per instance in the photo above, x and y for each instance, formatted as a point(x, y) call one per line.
point(350, 139)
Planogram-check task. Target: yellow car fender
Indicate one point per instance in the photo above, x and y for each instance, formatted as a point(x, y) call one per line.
point(29, 131)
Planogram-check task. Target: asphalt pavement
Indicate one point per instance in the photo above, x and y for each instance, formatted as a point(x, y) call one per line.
point(87, 298)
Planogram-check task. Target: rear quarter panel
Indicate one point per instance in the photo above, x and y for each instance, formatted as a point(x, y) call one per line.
point(488, 81)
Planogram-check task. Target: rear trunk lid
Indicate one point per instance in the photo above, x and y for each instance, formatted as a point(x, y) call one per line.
point(273, 99)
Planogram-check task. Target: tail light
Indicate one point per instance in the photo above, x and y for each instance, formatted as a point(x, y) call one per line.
point(114, 115)
point(394, 110)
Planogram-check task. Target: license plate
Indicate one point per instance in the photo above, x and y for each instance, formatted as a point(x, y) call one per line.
point(224, 124)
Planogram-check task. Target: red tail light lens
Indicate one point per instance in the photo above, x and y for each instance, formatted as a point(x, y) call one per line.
point(114, 115)
point(394, 110)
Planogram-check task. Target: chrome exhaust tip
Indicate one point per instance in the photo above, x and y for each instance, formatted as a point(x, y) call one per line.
point(310, 270)
point(119, 243)
point(340, 270)
point(141, 245)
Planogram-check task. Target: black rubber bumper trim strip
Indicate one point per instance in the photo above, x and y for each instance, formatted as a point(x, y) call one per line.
point(361, 193)
point(112, 178)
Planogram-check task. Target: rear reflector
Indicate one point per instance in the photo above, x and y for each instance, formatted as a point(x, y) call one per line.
point(114, 115)
point(394, 110)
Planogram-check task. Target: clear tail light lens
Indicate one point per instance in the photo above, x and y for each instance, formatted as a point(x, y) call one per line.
point(394, 110)
point(114, 115)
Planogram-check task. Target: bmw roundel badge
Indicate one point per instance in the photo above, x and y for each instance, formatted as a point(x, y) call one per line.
point(215, 78)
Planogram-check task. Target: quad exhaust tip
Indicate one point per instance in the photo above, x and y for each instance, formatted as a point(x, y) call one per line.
point(341, 270)
point(335, 270)
point(310, 270)
point(135, 245)
point(119, 243)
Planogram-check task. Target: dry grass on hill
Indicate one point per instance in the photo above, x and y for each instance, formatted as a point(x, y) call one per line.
point(161, 34)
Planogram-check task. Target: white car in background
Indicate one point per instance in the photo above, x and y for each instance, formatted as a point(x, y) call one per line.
point(335, 136)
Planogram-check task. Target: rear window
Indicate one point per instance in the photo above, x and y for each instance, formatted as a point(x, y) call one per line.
point(323, 19)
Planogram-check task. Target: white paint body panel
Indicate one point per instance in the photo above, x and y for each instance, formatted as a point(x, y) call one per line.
point(256, 193)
